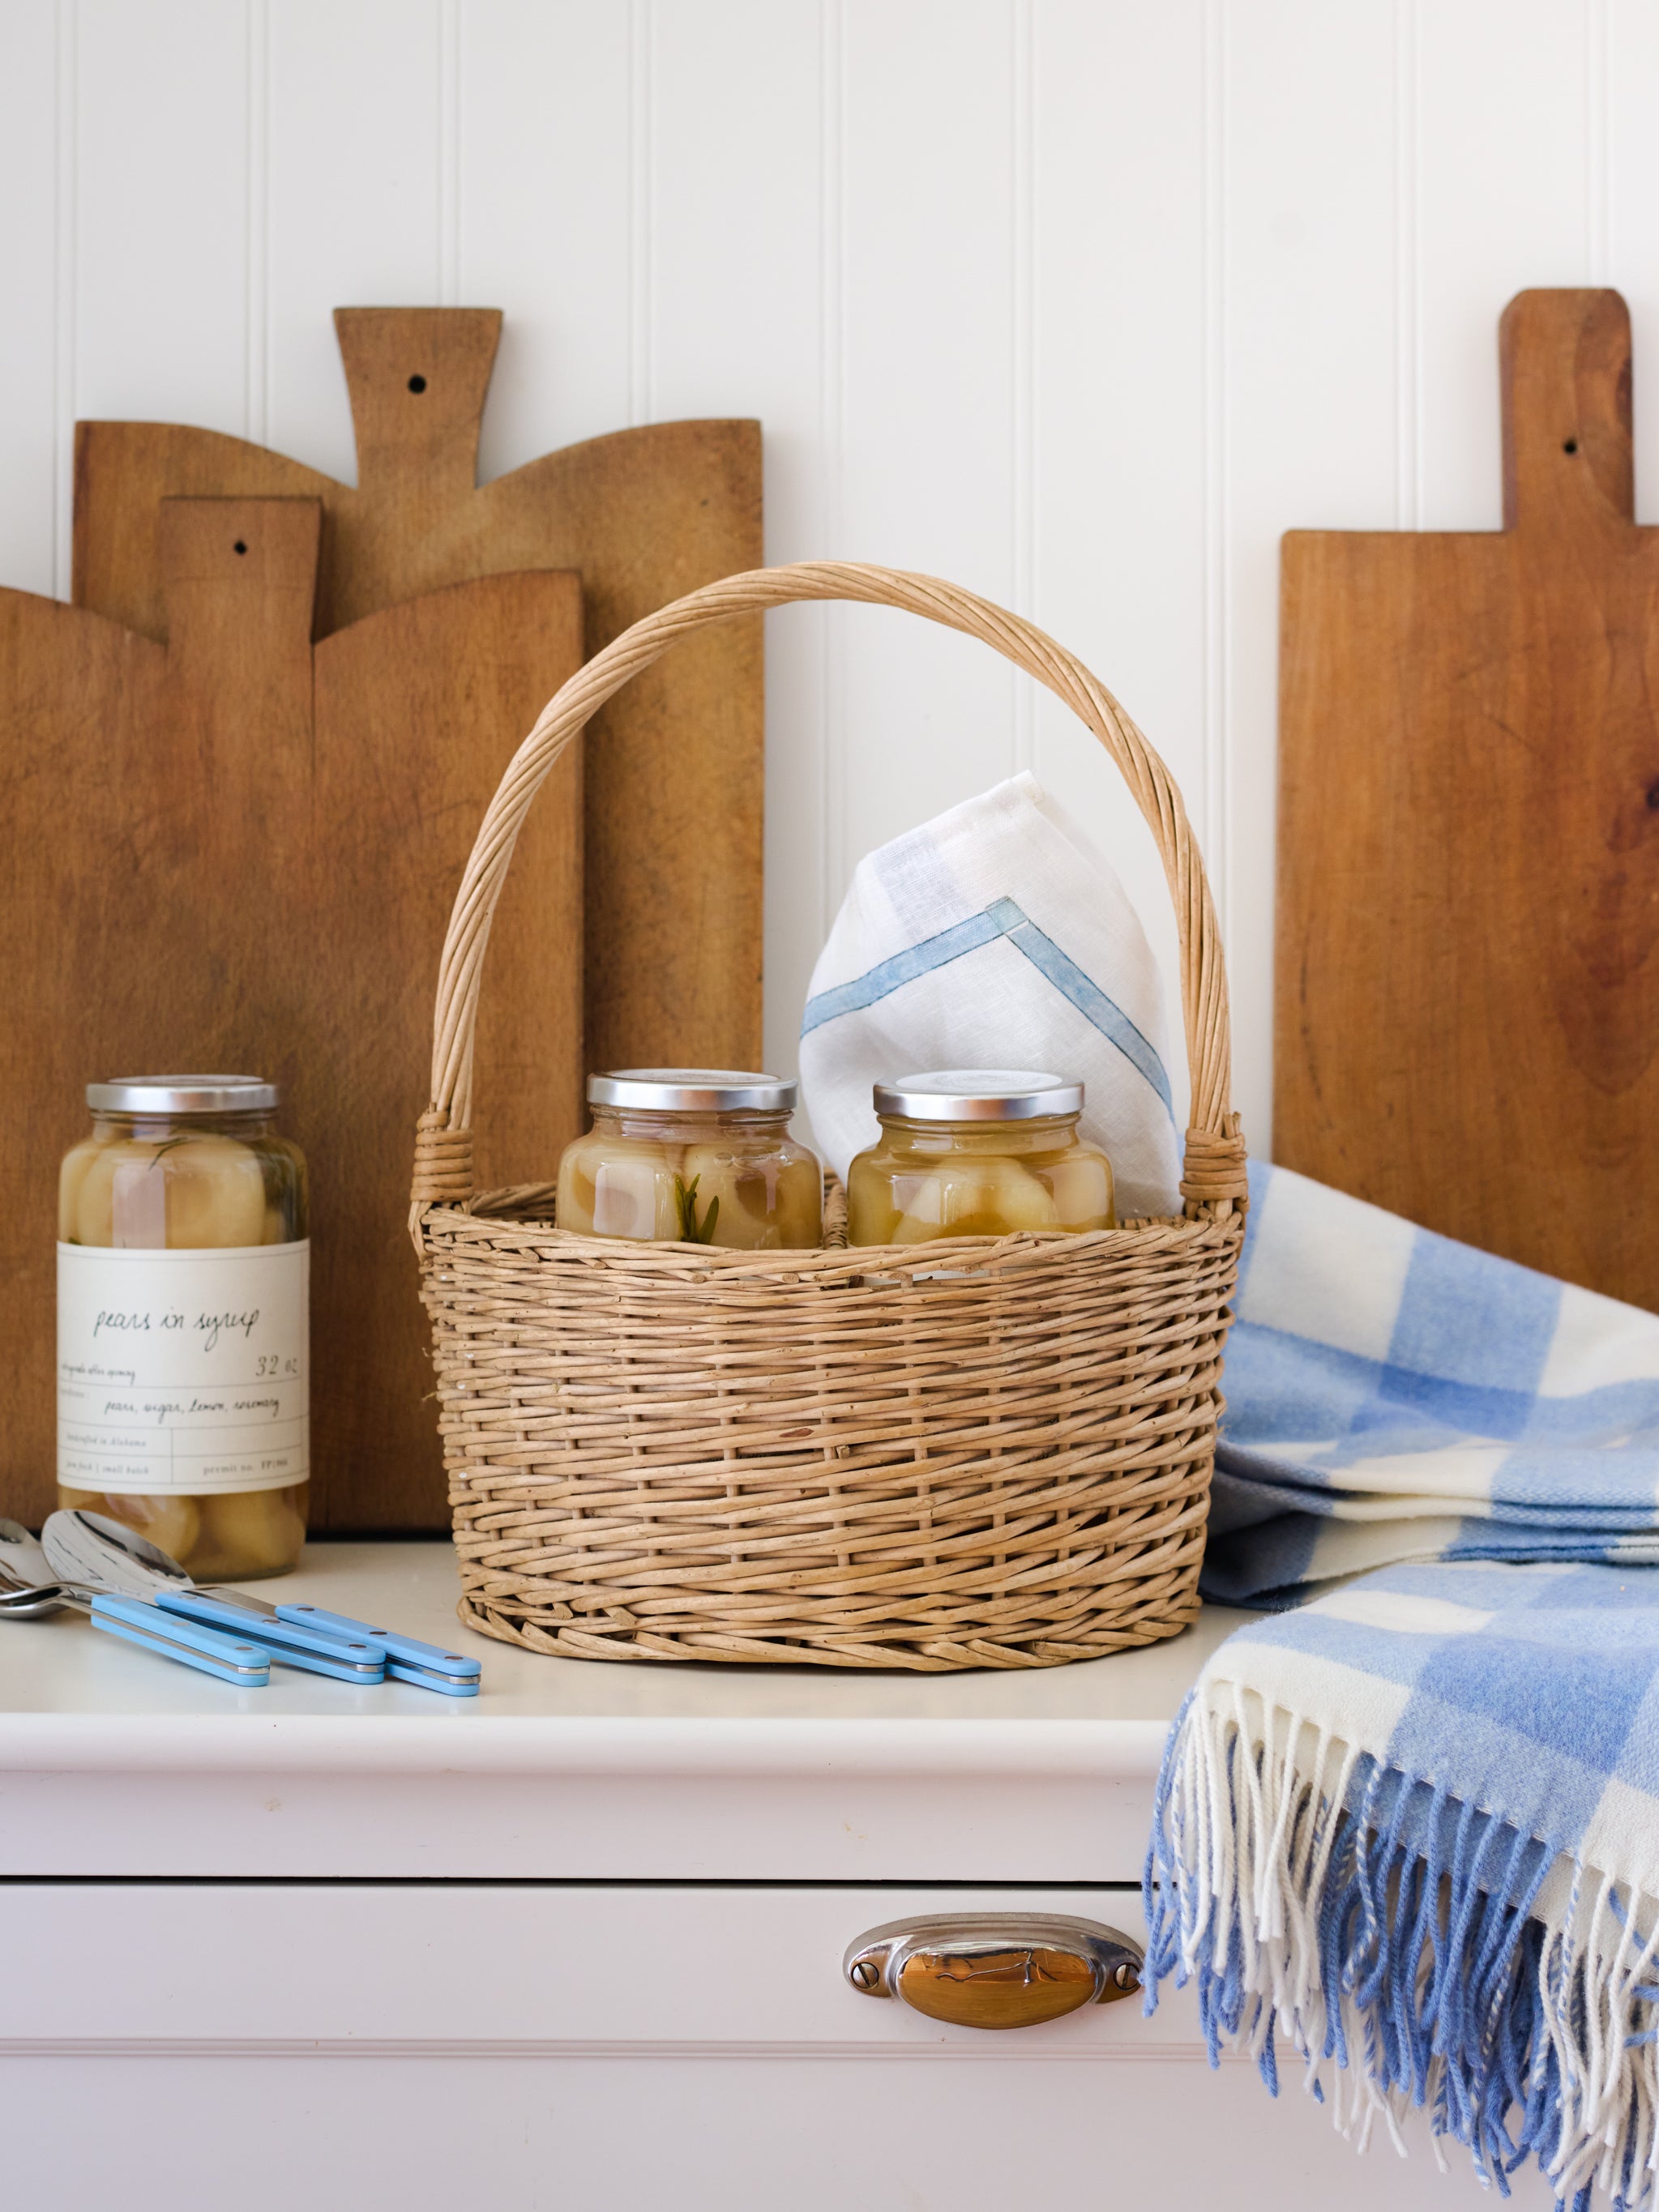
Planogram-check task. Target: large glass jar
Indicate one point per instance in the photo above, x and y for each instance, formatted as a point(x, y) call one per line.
point(692, 1156)
point(183, 1320)
point(977, 1153)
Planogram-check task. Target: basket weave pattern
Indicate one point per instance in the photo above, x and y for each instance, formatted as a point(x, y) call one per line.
point(983, 1452)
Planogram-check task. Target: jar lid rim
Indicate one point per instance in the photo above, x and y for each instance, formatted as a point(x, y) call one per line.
point(979, 1094)
point(182, 1094)
point(692, 1091)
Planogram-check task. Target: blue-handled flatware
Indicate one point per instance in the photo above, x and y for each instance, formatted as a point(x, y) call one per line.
point(231, 1658)
point(91, 1548)
point(312, 1650)
point(28, 1588)
point(429, 1666)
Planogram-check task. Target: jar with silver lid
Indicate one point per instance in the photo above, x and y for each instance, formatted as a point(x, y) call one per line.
point(977, 1153)
point(183, 1321)
point(692, 1156)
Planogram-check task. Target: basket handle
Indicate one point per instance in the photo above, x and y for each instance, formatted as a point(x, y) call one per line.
point(1214, 1167)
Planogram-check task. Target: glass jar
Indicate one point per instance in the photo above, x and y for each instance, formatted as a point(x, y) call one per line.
point(692, 1156)
point(977, 1153)
point(183, 1321)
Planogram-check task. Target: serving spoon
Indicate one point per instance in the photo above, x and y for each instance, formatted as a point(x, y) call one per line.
point(91, 1549)
point(28, 1588)
point(28, 1584)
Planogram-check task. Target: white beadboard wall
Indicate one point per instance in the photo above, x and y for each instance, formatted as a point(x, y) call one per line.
point(1080, 302)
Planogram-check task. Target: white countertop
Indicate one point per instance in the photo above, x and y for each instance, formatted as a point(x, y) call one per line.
point(115, 1762)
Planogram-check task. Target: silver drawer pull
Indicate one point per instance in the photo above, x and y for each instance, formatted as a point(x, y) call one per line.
point(995, 1969)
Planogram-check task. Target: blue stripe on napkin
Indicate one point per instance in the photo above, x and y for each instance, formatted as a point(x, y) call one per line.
point(1002, 918)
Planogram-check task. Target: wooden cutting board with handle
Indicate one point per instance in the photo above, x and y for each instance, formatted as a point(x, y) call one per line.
point(236, 850)
point(1467, 1025)
point(676, 767)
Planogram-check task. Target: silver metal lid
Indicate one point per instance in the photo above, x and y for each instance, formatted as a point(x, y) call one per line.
point(182, 1094)
point(979, 1094)
point(691, 1090)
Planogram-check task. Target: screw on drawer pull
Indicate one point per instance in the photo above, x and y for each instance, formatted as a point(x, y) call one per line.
point(995, 1969)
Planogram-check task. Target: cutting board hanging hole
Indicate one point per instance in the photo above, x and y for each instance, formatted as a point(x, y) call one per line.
point(675, 764)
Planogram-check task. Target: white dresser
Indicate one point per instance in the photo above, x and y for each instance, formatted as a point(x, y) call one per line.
point(580, 1939)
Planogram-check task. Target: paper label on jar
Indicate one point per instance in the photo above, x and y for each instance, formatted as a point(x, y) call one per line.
point(183, 1371)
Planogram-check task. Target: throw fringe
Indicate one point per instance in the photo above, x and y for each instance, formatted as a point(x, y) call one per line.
point(1407, 1948)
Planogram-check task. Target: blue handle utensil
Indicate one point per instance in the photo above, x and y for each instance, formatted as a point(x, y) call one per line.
point(89, 1548)
point(231, 1658)
point(429, 1666)
point(310, 1649)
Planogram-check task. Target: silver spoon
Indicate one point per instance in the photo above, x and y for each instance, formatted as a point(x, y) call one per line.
point(21, 1601)
point(137, 1621)
point(28, 1587)
point(23, 1556)
point(90, 1547)
point(27, 1601)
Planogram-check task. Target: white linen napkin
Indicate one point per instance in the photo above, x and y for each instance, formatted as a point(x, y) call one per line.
point(995, 936)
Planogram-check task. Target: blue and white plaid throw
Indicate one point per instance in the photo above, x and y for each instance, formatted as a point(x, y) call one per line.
point(1413, 1828)
point(1393, 1395)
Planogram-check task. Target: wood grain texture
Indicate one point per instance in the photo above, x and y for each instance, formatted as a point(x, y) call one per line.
point(229, 849)
point(676, 779)
point(1467, 999)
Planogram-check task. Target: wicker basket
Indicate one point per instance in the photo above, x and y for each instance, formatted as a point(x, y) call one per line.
point(842, 1456)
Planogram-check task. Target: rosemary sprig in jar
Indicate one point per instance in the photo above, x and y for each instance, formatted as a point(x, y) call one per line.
point(685, 1201)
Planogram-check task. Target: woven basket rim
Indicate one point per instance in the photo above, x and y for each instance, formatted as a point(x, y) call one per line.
point(938, 1258)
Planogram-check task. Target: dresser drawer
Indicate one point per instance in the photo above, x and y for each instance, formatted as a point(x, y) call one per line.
point(693, 2046)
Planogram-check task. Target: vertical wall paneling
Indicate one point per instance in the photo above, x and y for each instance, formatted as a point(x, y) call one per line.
point(1407, 317)
point(355, 196)
point(1311, 363)
point(926, 481)
point(65, 141)
point(544, 124)
point(1080, 301)
point(1631, 51)
point(1208, 794)
point(449, 153)
point(256, 273)
point(640, 146)
point(1504, 159)
point(1598, 152)
point(161, 304)
point(1117, 404)
point(30, 263)
point(1022, 413)
point(735, 307)
point(832, 443)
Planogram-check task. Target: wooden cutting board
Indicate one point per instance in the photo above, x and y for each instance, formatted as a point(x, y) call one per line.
point(1468, 976)
point(676, 769)
point(236, 850)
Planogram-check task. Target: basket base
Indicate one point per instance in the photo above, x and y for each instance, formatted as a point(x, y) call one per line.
point(1154, 1625)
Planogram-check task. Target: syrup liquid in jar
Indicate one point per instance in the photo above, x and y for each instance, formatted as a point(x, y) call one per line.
point(183, 1321)
point(977, 1153)
point(692, 1156)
